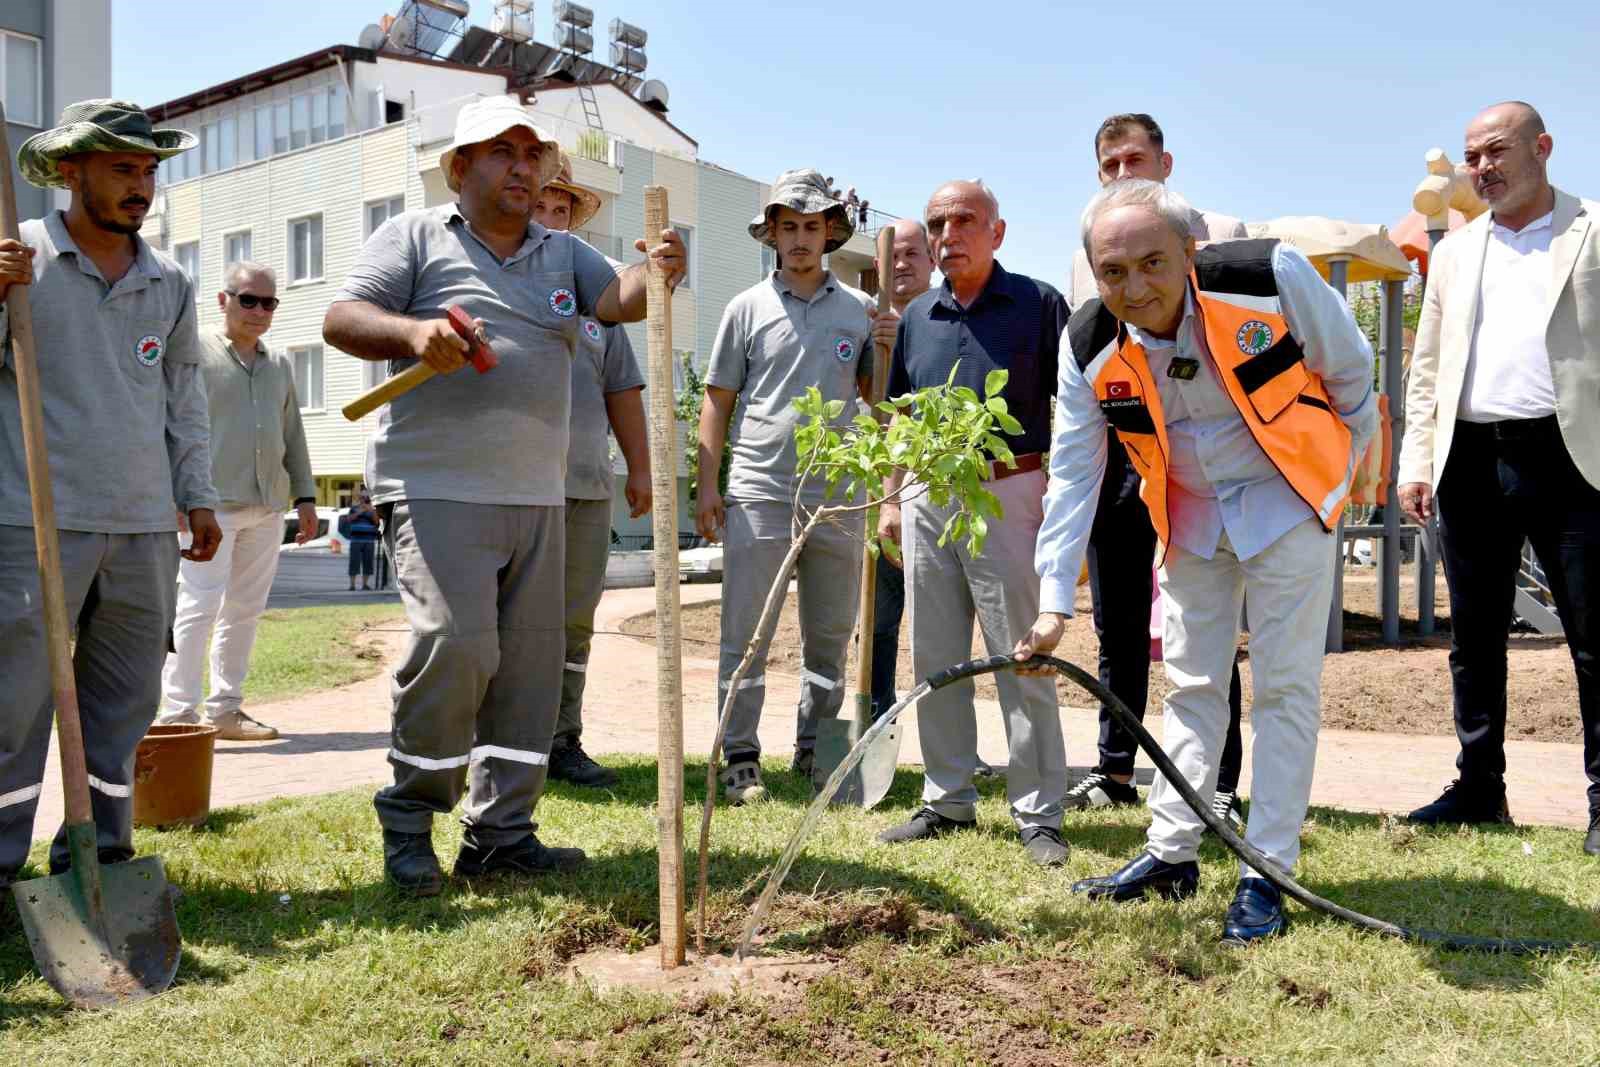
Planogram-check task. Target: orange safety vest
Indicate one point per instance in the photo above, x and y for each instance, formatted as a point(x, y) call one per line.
point(1262, 370)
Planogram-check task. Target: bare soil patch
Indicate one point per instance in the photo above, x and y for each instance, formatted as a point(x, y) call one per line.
point(1370, 686)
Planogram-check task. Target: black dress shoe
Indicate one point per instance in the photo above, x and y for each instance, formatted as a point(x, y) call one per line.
point(409, 862)
point(570, 763)
point(1044, 846)
point(527, 857)
point(925, 823)
point(1256, 912)
point(1465, 802)
point(1591, 844)
point(1144, 874)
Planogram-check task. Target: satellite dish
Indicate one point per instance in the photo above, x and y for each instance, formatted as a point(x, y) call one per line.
point(371, 38)
point(653, 93)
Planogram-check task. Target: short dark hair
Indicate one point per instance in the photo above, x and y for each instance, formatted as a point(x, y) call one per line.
point(1119, 124)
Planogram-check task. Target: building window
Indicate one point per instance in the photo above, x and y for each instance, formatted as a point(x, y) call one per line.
point(319, 117)
point(280, 126)
point(22, 78)
point(687, 233)
point(208, 147)
point(188, 257)
point(381, 211)
point(769, 260)
point(305, 249)
point(235, 249)
point(299, 121)
point(228, 142)
point(307, 361)
point(373, 373)
point(247, 136)
point(336, 111)
point(263, 132)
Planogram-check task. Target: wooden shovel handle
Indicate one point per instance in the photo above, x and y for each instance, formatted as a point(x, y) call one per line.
point(69, 727)
point(868, 609)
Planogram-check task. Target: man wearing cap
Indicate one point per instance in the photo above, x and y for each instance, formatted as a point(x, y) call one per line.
point(1123, 541)
point(468, 473)
point(983, 318)
point(125, 425)
point(606, 387)
point(798, 328)
point(259, 462)
point(1241, 387)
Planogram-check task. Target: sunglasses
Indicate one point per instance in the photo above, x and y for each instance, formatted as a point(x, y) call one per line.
point(250, 300)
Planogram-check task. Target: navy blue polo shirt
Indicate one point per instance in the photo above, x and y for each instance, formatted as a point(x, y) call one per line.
point(1015, 325)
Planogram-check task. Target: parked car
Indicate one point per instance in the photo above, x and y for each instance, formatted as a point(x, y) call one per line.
point(327, 535)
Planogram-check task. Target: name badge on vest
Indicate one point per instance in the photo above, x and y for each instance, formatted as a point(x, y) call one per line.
point(1183, 368)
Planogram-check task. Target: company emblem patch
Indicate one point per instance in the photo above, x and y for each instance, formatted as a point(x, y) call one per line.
point(845, 349)
point(592, 328)
point(564, 303)
point(1254, 337)
point(148, 350)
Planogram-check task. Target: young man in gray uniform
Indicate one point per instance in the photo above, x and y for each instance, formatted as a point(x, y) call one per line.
point(468, 473)
point(606, 384)
point(126, 429)
point(801, 327)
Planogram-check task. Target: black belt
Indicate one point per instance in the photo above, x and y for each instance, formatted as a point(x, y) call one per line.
point(1541, 429)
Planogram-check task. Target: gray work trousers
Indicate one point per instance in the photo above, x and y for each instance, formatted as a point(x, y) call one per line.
point(121, 590)
point(946, 587)
point(588, 547)
point(757, 538)
point(476, 694)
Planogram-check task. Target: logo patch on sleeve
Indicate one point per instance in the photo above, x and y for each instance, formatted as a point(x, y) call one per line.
point(592, 328)
point(1254, 337)
point(1118, 390)
point(564, 303)
point(148, 350)
point(845, 349)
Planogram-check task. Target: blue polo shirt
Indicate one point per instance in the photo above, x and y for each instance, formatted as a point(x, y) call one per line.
point(1014, 325)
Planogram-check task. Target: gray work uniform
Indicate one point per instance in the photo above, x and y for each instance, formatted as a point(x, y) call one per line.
point(605, 365)
point(771, 346)
point(126, 429)
point(470, 473)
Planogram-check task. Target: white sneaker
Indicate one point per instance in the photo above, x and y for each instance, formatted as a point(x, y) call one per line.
point(741, 783)
point(187, 717)
point(1225, 806)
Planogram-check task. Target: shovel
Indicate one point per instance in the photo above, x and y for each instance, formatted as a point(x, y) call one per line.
point(100, 935)
point(870, 780)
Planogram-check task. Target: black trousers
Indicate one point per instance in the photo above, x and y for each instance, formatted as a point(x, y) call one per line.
point(1505, 482)
point(889, 606)
point(1122, 545)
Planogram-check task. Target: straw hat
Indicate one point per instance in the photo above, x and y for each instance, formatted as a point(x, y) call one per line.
point(805, 191)
point(485, 119)
point(584, 203)
point(96, 126)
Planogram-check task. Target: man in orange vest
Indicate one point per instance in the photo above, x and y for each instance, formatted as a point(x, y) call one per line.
point(1241, 387)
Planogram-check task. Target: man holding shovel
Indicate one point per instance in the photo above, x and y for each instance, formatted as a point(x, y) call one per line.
point(119, 364)
point(800, 327)
point(468, 473)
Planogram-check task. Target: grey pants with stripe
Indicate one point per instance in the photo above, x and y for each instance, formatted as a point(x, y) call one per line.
point(946, 588)
point(121, 592)
point(476, 695)
point(588, 547)
point(829, 574)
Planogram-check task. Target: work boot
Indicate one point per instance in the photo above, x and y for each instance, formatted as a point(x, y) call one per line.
point(805, 760)
point(741, 783)
point(1099, 790)
point(570, 763)
point(527, 856)
point(1591, 843)
point(1144, 874)
point(1044, 846)
point(924, 824)
point(237, 726)
point(410, 863)
point(1465, 802)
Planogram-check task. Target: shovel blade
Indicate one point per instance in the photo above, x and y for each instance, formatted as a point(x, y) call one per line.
point(99, 953)
point(870, 780)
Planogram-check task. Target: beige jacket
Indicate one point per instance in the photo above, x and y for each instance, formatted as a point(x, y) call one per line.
point(1207, 226)
point(1450, 315)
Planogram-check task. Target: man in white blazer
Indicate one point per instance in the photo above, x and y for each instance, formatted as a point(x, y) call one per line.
point(1502, 440)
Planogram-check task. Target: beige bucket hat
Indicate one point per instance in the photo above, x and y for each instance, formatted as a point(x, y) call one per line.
point(584, 203)
point(805, 191)
point(96, 126)
point(484, 119)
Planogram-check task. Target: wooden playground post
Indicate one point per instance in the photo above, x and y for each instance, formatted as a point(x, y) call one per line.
point(665, 443)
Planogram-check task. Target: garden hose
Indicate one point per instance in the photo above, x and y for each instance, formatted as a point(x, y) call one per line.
point(1238, 845)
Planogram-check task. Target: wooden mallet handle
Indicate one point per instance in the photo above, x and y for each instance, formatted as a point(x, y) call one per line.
point(479, 354)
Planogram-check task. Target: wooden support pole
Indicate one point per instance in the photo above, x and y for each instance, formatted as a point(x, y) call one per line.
point(665, 445)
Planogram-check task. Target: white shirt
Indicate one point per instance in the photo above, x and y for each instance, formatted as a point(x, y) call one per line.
point(1508, 369)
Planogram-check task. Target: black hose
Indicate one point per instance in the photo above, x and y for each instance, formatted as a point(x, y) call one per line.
point(1240, 847)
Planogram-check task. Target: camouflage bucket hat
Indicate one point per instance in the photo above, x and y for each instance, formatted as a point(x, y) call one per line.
point(804, 191)
point(96, 126)
point(584, 203)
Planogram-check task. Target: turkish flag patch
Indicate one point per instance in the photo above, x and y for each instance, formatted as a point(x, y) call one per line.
point(1118, 390)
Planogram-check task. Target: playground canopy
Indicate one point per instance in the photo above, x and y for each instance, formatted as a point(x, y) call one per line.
point(1367, 250)
point(1411, 234)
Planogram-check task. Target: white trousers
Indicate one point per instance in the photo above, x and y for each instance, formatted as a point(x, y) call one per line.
point(229, 592)
point(1290, 586)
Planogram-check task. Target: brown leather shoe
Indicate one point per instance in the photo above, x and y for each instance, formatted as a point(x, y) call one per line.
point(237, 726)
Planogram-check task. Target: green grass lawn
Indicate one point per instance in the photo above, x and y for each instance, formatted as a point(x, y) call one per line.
point(300, 650)
point(953, 951)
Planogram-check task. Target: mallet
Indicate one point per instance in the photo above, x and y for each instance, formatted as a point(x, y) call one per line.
point(479, 354)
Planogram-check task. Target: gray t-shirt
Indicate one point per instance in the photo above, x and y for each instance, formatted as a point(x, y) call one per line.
point(498, 437)
point(605, 365)
point(124, 398)
point(770, 347)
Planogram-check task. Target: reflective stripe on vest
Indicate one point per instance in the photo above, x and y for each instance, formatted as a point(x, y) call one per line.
point(1261, 368)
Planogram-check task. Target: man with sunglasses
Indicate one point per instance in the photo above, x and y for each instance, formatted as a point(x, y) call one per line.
point(258, 463)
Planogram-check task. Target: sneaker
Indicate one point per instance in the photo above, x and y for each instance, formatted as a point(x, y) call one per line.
point(985, 770)
point(1226, 807)
point(410, 863)
point(741, 783)
point(527, 856)
point(924, 824)
point(1099, 790)
point(1044, 846)
point(1466, 802)
point(805, 760)
point(1591, 843)
point(186, 717)
point(237, 726)
point(570, 763)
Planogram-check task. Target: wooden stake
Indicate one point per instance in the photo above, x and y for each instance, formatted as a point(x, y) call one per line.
point(666, 442)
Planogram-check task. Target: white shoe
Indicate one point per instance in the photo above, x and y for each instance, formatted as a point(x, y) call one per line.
point(741, 783)
point(187, 717)
point(237, 726)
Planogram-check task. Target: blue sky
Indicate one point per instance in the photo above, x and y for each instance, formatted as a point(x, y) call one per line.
point(1269, 108)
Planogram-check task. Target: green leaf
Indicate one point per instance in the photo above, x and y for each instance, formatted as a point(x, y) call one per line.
point(995, 382)
point(835, 408)
point(1008, 423)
